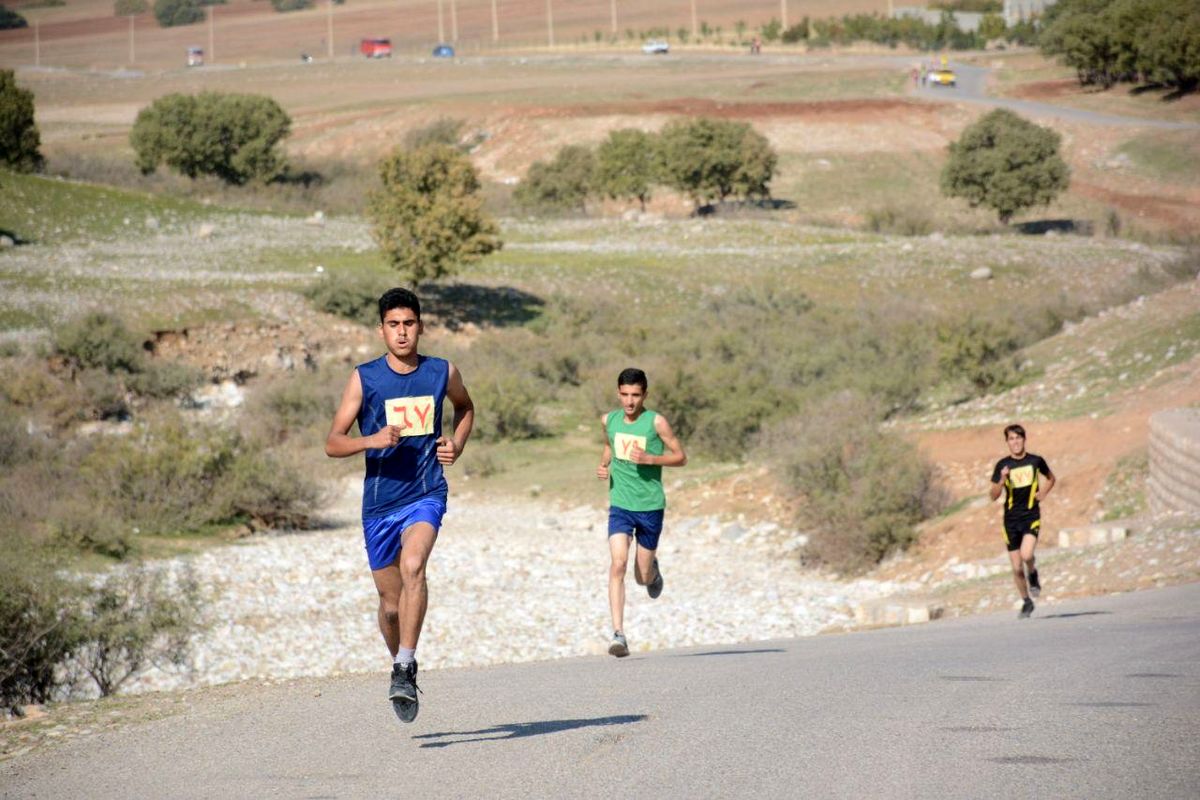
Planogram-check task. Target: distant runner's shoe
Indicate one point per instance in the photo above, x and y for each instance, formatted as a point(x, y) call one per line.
point(618, 647)
point(1026, 608)
point(654, 588)
point(404, 690)
point(1035, 586)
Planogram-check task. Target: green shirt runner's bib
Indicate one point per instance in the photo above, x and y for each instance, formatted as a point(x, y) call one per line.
point(634, 487)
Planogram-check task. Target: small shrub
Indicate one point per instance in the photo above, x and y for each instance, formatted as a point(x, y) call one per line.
point(350, 297)
point(87, 525)
point(864, 490)
point(100, 340)
point(262, 489)
point(902, 222)
point(135, 619)
point(505, 409)
point(979, 352)
point(443, 130)
point(283, 6)
point(39, 630)
point(11, 20)
point(130, 8)
point(164, 380)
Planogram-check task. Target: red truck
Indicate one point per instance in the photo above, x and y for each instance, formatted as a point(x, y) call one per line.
point(376, 48)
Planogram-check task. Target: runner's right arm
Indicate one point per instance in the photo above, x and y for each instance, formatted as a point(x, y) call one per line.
point(339, 443)
point(606, 456)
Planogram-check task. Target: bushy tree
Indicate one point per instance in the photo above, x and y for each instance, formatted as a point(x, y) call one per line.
point(627, 164)
point(1005, 163)
point(172, 13)
point(231, 136)
point(711, 160)
point(19, 138)
point(561, 184)
point(1168, 45)
point(10, 19)
point(428, 217)
point(130, 8)
point(283, 6)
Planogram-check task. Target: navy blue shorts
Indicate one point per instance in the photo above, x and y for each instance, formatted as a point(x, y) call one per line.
point(645, 525)
point(382, 534)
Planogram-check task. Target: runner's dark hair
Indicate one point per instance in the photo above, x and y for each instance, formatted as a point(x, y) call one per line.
point(633, 377)
point(398, 298)
point(1017, 429)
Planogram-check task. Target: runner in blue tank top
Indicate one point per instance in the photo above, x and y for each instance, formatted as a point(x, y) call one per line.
point(397, 402)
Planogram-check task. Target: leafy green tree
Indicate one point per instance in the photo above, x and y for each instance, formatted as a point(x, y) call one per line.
point(627, 163)
point(428, 217)
point(1168, 45)
point(19, 138)
point(231, 136)
point(173, 13)
point(710, 160)
point(1005, 163)
point(130, 8)
point(562, 184)
point(992, 27)
point(10, 19)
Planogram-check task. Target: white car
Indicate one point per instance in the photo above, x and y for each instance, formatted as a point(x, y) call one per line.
point(656, 47)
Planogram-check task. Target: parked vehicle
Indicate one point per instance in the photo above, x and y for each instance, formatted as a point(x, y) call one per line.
point(943, 77)
point(376, 48)
point(656, 47)
point(443, 51)
point(195, 57)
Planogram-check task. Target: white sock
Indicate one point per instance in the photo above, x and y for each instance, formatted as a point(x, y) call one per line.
point(405, 656)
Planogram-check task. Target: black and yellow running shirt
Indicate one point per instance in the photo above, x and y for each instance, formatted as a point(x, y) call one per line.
point(1021, 486)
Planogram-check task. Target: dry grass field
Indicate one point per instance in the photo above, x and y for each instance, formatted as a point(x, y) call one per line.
point(84, 33)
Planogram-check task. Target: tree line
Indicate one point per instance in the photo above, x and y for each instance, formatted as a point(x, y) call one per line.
point(1126, 41)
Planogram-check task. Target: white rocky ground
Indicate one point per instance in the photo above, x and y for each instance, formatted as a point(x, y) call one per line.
point(509, 581)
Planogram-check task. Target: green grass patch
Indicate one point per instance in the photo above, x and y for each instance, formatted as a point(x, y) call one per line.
point(1172, 156)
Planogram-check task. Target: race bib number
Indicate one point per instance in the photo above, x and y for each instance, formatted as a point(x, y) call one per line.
point(413, 415)
point(624, 443)
point(1021, 477)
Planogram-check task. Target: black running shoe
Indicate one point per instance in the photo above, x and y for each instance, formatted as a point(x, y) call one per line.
point(1035, 586)
point(404, 690)
point(654, 588)
point(1026, 608)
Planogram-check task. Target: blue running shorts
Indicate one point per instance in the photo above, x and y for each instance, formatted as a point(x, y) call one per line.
point(645, 525)
point(382, 534)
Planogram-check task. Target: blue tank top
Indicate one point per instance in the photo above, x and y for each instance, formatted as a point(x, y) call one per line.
point(399, 475)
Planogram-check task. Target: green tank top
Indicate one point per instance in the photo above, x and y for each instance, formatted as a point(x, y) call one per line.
point(634, 487)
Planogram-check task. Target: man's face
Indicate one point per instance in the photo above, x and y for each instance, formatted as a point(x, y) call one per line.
point(401, 330)
point(1016, 444)
point(632, 399)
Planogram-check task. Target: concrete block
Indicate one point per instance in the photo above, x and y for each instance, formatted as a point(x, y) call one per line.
point(889, 612)
point(1091, 535)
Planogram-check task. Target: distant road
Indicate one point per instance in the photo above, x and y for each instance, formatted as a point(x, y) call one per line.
point(972, 88)
point(1093, 699)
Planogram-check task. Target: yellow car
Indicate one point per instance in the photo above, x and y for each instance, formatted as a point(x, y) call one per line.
point(942, 77)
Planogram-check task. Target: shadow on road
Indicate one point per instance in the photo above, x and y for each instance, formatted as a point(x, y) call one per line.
point(1077, 614)
point(518, 730)
point(731, 652)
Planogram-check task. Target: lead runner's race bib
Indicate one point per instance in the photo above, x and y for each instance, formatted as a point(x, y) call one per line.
point(413, 415)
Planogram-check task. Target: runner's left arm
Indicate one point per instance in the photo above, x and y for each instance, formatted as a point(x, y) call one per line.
point(675, 455)
point(1045, 486)
point(449, 448)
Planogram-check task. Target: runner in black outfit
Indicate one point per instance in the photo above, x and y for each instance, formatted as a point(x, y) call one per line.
point(1019, 477)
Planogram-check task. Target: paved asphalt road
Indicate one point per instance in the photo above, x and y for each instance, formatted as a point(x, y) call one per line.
point(1095, 698)
point(972, 88)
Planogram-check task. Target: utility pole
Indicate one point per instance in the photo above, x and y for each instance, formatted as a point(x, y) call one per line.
point(329, 31)
point(695, 27)
point(132, 55)
point(495, 23)
point(454, 21)
point(441, 24)
point(783, 12)
point(614, 15)
point(37, 43)
point(550, 22)
point(212, 48)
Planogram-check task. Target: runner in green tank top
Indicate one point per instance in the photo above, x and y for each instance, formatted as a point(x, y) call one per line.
point(638, 443)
